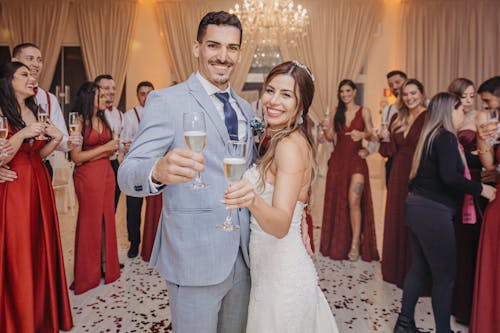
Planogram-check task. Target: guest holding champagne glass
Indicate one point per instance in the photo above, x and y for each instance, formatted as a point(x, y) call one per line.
point(486, 299)
point(438, 182)
point(399, 143)
point(468, 224)
point(33, 292)
point(348, 224)
point(96, 251)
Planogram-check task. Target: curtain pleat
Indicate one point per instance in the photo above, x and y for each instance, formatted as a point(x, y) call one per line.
point(43, 23)
point(106, 29)
point(443, 40)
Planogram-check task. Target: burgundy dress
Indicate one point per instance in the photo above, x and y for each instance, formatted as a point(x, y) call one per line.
point(95, 228)
point(33, 290)
point(467, 236)
point(336, 233)
point(486, 299)
point(396, 253)
point(154, 205)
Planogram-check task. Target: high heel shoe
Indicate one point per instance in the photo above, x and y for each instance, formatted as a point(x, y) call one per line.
point(353, 254)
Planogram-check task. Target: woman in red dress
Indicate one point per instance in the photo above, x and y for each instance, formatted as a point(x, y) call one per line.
point(33, 291)
point(96, 250)
point(348, 223)
point(486, 299)
point(467, 232)
point(154, 205)
point(403, 135)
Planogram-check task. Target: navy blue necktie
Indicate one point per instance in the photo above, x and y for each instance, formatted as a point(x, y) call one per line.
point(230, 117)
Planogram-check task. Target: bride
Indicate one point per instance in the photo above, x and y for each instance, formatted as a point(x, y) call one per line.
point(284, 296)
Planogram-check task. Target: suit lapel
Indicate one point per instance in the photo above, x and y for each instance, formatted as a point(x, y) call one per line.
point(204, 101)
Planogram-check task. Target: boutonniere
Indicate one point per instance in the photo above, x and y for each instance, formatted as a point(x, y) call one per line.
point(257, 126)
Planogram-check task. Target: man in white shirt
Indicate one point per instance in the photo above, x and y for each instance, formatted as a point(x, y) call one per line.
point(114, 118)
point(132, 118)
point(395, 80)
point(30, 55)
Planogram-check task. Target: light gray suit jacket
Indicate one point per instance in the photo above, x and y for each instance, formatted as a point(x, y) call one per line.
point(189, 250)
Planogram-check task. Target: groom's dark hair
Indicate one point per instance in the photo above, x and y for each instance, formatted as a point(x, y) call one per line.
point(218, 18)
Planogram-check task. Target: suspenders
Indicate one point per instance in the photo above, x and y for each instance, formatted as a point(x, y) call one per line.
point(48, 101)
point(137, 115)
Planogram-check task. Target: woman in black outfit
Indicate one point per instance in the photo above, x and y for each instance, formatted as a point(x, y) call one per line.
point(437, 186)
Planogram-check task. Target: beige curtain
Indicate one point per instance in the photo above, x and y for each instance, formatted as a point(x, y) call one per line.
point(445, 39)
point(43, 23)
point(178, 21)
point(105, 29)
point(336, 45)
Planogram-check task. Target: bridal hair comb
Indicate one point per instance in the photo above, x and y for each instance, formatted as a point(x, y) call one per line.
point(304, 67)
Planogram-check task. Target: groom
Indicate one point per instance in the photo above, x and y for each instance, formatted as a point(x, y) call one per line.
point(206, 269)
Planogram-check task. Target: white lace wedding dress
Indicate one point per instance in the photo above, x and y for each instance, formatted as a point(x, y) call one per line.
point(285, 296)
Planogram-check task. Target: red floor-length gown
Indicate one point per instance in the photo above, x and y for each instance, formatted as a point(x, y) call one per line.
point(33, 290)
point(467, 236)
point(396, 252)
point(95, 228)
point(336, 232)
point(154, 205)
point(486, 301)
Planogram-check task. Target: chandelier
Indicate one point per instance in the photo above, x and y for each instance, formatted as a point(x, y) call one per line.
point(272, 20)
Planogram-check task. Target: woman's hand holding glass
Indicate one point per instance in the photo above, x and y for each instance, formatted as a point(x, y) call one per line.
point(75, 130)
point(488, 126)
point(52, 131)
point(489, 192)
point(43, 118)
point(383, 132)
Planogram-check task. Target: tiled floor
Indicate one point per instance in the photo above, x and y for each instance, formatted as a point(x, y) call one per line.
point(138, 301)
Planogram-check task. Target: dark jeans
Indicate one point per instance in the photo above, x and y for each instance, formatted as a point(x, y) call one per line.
point(134, 207)
point(115, 165)
point(432, 238)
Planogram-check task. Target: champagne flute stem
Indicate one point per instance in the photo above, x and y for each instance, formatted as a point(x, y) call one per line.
point(228, 220)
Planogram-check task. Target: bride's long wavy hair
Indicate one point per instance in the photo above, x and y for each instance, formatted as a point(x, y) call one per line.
point(304, 93)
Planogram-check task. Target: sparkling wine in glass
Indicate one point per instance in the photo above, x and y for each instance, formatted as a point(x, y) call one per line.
point(74, 123)
point(116, 132)
point(195, 138)
point(43, 117)
point(493, 123)
point(235, 164)
point(4, 130)
point(384, 126)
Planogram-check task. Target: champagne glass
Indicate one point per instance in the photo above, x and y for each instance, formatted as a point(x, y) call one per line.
point(195, 137)
point(4, 130)
point(384, 126)
point(116, 131)
point(74, 123)
point(43, 117)
point(235, 164)
point(492, 123)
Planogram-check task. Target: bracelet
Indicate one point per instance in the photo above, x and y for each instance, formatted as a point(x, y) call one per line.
point(483, 151)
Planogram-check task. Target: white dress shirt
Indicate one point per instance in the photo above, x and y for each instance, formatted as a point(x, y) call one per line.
point(56, 116)
point(211, 90)
point(131, 120)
